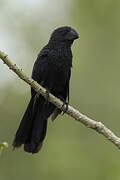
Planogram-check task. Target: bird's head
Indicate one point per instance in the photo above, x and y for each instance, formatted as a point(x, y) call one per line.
point(63, 35)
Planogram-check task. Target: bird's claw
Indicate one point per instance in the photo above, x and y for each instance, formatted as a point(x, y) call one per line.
point(66, 107)
point(47, 96)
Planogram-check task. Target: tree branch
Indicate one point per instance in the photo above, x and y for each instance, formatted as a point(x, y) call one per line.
point(90, 123)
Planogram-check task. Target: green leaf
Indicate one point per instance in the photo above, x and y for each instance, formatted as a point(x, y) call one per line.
point(3, 146)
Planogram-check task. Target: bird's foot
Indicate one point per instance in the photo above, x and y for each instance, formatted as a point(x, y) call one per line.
point(47, 96)
point(66, 107)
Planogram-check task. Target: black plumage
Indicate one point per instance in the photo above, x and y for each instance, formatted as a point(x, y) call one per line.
point(52, 70)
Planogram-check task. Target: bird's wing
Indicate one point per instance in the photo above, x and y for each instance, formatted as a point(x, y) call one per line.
point(67, 85)
point(39, 69)
point(65, 96)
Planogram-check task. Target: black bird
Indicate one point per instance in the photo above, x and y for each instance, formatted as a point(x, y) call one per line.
point(52, 70)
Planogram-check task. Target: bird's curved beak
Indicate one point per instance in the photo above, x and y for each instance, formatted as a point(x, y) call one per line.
point(72, 35)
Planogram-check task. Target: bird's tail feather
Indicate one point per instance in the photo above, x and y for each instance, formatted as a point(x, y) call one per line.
point(32, 129)
point(24, 127)
point(39, 127)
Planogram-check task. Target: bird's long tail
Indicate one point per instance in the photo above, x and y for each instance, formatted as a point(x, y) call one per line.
point(32, 129)
point(24, 127)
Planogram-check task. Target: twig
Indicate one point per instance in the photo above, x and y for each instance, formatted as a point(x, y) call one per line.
point(90, 123)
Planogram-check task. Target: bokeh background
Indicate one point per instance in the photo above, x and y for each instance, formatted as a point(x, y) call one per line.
point(71, 151)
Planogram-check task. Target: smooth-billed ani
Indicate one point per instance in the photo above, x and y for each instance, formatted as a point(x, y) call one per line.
point(52, 70)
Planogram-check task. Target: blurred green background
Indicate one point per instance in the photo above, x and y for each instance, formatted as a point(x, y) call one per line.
point(71, 151)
